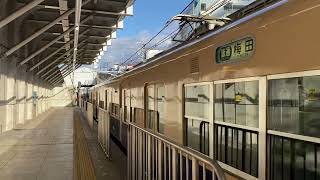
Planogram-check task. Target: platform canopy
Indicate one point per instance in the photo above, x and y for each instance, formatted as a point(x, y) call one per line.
point(58, 32)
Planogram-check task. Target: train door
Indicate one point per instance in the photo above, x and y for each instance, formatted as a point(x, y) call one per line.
point(198, 120)
point(155, 95)
point(240, 125)
point(294, 126)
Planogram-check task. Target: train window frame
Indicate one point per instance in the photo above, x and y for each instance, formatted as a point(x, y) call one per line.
point(290, 137)
point(209, 119)
point(261, 129)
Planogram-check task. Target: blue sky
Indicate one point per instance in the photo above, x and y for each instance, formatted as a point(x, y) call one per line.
point(149, 17)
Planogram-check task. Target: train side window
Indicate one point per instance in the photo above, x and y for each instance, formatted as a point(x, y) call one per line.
point(294, 105)
point(293, 125)
point(237, 119)
point(197, 116)
point(238, 103)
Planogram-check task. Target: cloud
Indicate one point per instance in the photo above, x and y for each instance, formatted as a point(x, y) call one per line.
point(124, 47)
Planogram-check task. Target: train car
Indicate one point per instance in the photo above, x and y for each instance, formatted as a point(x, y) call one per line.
point(246, 94)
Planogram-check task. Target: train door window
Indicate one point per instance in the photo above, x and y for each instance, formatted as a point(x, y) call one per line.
point(150, 107)
point(106, 99)
point(160, 100)
point(111, 102)
point(240, 123)
point(293, 125)
point(128, 105)
point(124, 105)
point(197, 116)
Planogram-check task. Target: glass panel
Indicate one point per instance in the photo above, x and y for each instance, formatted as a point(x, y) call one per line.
point(294, 105)
point(238, 103)
point(198, 135)
point(160, 108)
point(128, 106)
point(197, 101)
point(150, 107)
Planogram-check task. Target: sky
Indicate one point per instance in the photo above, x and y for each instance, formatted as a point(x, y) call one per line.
point(149, 17)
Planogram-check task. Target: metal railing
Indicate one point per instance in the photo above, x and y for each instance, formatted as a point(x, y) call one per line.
point(153, 157)
point(290, 158)
point(104, 131)
point(237, 147)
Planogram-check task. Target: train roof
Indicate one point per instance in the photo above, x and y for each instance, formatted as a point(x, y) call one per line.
point(267, 6)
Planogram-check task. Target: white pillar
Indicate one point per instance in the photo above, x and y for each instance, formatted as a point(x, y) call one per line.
point(3, 112)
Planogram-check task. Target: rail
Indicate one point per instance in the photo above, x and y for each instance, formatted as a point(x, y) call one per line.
point(104, 131)
point(153, 157)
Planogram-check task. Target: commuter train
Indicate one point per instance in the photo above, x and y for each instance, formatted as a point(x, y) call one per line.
point(246, 94)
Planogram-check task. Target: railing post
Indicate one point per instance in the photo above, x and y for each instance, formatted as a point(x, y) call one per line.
point(160, 160)
point(108, 133)
point(149, 157)
point(140, 174)
point(195, 169)
point(129, 153)
point(134, 159)
point(174, 163)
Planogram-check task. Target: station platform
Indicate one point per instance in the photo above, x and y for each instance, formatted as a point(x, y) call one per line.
point(45, 149)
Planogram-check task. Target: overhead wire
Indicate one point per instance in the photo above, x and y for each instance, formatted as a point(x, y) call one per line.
point(211, 9)
point(153, 37)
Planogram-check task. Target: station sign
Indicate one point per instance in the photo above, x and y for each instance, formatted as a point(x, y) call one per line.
point(236, 50)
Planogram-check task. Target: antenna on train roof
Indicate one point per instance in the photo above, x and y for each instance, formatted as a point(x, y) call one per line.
point(198, 25)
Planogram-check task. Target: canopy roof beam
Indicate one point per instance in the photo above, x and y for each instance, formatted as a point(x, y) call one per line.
point(51, 43)
point(42, 30)
point(19, 12)
point(56, 51)
point(56, 60)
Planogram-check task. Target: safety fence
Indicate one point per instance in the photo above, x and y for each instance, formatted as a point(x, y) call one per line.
point(104, 131)
point(153, 157)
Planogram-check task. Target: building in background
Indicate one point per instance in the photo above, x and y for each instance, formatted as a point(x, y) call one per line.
point(86, 75)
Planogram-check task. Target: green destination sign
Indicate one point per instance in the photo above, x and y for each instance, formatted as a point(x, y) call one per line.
point(237, 50)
